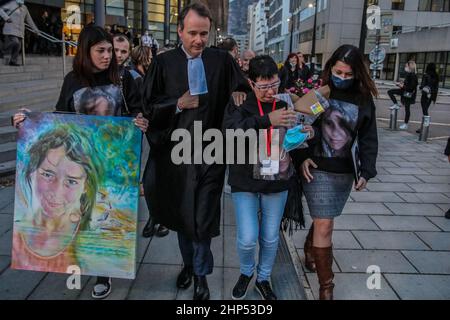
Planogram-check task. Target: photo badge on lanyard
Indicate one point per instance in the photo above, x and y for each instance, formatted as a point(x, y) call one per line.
point(270, 160)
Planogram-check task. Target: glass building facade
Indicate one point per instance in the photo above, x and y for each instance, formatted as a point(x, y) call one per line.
point(123, 13)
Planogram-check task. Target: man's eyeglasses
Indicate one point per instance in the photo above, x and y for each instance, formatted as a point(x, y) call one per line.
point(274, 85)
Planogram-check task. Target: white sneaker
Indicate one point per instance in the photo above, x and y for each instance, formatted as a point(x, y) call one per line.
point(404, 126)
point(395, 107)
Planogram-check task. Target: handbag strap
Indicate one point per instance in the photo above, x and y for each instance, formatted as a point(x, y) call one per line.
point(121, 91)
point(10, 14)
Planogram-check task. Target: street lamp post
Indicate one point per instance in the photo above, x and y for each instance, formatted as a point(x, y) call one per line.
point(99, 13)
point(313, 47)
point(217, 37)
point(291, 30)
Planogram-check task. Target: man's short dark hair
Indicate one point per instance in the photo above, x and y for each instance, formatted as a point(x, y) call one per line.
point(228, 44)
point(263, 67)
point(199, 8)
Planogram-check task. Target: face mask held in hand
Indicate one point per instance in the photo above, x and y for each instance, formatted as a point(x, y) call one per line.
point(294, 138)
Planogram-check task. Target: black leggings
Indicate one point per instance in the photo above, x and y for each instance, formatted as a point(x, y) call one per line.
point(391, 93)
point(406, 102)
point(407, 111)
point(425, 102)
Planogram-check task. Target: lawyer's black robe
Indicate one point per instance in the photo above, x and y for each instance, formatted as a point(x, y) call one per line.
point(186, 197)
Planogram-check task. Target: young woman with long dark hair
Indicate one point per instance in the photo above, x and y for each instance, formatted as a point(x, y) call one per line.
point(327, 167)
point(95, 72)
point(429, 88)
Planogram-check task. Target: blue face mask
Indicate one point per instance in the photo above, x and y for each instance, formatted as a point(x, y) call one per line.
point(341, 83)
point(294, 138)
point(197, 77)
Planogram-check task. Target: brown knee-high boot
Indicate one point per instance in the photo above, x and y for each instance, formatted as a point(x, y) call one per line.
point(323, 258)
point(307, 248)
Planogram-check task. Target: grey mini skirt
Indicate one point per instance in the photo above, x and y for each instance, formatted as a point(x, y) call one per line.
point(327, 193)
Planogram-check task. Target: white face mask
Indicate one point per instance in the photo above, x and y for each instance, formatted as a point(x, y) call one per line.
point(20, 2)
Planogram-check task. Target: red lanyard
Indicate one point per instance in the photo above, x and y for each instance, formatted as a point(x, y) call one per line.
point(269, 132)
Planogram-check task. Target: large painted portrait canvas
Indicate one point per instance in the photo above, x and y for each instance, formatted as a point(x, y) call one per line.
point(76, 197)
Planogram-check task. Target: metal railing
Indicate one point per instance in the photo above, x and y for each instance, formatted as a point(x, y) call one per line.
point(52, 39)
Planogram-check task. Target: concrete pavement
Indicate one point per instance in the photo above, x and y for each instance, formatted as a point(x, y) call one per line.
point(397, 225)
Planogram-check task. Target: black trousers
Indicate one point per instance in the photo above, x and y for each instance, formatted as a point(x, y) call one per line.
point(13, 45)
point(196, 254)
point(391, 93)
point(425, 102)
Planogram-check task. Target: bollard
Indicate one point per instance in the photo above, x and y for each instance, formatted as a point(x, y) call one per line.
point(425, 128)
point(393, 120)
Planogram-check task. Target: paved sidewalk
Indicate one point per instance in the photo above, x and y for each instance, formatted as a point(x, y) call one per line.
point(398, 224)
point(159, 262)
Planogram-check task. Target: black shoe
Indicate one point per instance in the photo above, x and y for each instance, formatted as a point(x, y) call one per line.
point(102, 288)
point(162, 231)
point(201, 290)
point(447, 214)
point(14, 64)
point(265, 290)
point(184, 279)
point(240, 289)
point(149, 229)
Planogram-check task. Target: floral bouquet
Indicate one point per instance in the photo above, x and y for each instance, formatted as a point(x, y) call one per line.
point(303, 87)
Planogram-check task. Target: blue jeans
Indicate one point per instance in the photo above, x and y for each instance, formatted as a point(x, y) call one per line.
point(250, 229)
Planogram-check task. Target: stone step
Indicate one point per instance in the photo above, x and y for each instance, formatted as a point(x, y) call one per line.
point(36, 60)
point(5, 118)
point(54, 67)
point(30, 99)
point(7, 152)
point(7, 168)
point(8, 134)
point(20, 77)
point(9, 89)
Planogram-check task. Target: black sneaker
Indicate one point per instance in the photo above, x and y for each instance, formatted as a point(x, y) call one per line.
point(447, 214)
point(265, 290)
point(102, 288)
point(162, 231)
point(240, 289)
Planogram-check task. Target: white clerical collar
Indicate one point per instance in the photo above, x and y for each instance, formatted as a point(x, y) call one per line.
point(187, 54)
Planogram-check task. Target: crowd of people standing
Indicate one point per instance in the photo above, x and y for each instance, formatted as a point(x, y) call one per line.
point(166, 90)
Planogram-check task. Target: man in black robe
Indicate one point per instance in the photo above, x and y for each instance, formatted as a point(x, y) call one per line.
point(187, 84)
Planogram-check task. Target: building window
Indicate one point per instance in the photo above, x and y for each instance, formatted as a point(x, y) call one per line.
point(398, 4)
point(397, 29)
point(434, 5)
point(389, 66)
point(323, 32)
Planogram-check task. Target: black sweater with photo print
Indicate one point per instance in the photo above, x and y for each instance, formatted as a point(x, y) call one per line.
point(349, 116)
point(102, 98)
point(245, 117)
